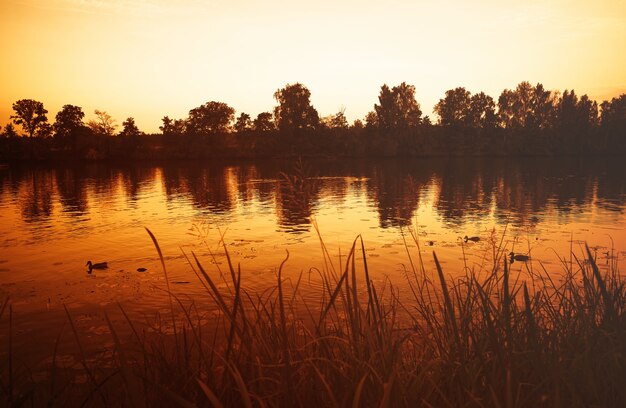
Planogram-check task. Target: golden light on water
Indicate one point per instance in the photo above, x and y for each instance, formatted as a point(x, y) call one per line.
point(313, 262)
point(152, 58)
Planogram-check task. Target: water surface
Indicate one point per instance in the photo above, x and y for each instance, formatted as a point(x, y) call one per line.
point(55, 218)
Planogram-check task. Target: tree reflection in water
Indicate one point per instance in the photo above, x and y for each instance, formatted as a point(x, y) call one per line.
point(514, 190)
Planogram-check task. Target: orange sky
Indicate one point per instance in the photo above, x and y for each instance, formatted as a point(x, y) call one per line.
point(151, 58)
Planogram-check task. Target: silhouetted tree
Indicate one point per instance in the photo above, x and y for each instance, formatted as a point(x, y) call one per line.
point(336, 121)
point(587, 111)
point(130, 129)
point(613, 121)
point(543, 108)
point(294, 110)
point(505, 108)
point(103, 125)
point(9, 131)
point(263, 122)
point(172, 127)
point(574, 114)
point(398, 108)
point(454, 109)
point(614, 112)
point(44, 130)
point(129, 141)
point(515, 106)
point(527, 107)
point(30, 114)
point(358, 124)
point(210, 118)
point(371, 120)
point(167, 125)
point(575, 119)
point(243, 123)
point(567, 110)
point(68, 121)
point(482, 111)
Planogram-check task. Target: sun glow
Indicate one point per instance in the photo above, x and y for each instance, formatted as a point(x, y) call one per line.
point(152, 58)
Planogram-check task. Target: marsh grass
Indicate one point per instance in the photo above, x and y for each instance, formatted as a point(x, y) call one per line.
point(488, 338)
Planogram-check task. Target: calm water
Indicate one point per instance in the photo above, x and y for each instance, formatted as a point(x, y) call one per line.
point(54, 219)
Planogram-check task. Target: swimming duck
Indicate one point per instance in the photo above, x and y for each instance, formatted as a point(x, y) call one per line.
point(518, 257)
point(473, 239)
point(99, 265)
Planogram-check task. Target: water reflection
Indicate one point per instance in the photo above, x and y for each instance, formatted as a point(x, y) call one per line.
point(514, 191)
point(35, 196)
point(208, 187)
point(72, 191)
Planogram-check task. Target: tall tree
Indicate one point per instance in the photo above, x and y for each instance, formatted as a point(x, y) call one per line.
point(515, 106)
point(339, 120)
point(173, 126)
point(336, 121)
point(397, 108)
point(68, 121)
point(130, 129)
point(482, 111)
point(44, 130)
point(522, 103)
point(573, 114)
point(371, 120)
point(30, 114)
point(530, 107)
point(505, 108)
point(103, 125)
point(613, 116)
point(588, 111)
point(454, 109)
point(243, 122)
point(263, 122)
point(9, 131)
point(210, 118)
point(294, 110)
point(614, 111)
point(543, 108)
point(567, 110)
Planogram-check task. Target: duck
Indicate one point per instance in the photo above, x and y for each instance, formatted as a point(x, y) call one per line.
point(518, 257)
point(473, 239)
point(99, 265)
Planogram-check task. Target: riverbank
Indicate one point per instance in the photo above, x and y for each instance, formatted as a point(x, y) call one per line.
point(423, 141)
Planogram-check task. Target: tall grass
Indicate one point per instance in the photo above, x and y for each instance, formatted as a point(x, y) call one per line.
point(494, 339)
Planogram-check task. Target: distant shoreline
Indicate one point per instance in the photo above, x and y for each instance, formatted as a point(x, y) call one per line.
point(419, 142)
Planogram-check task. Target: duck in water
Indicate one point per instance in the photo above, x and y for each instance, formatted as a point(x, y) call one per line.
point(473, 239)
point(99, 265)
point(518, 257)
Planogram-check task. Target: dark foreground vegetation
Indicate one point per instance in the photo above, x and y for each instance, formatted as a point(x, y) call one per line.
point(488, 338)
point(528, 120)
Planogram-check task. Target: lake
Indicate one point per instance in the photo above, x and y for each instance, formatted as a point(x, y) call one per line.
point(53, 219)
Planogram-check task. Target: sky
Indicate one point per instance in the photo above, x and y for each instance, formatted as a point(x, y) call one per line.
point(151, 58)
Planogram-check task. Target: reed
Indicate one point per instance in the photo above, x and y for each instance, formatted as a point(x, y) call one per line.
point(493, 337)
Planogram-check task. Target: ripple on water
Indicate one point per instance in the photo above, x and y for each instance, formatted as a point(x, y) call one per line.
point(375, 199)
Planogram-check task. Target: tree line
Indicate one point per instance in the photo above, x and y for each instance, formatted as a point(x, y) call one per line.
point(525, 120)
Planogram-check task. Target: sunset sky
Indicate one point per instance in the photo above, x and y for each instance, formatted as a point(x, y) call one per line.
point(151, 58)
